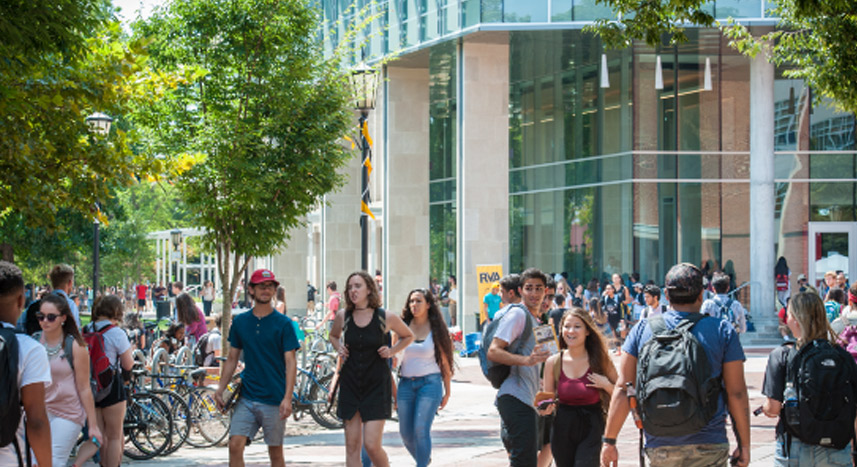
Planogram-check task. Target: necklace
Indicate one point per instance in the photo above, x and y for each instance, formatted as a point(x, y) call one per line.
point(52, 351)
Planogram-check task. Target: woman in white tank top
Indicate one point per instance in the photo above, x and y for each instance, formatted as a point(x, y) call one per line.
point(424, 375)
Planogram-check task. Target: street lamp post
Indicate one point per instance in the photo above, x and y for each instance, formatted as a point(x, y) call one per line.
point(176, 239)
point(364, 85)
point(99, 124)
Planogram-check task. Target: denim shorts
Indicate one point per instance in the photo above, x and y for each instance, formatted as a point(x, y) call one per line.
point(249, 416)
point(807, 454)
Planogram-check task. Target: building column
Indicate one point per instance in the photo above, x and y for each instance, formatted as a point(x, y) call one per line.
point(483, 166)
point(762, 193)
point(406, 177)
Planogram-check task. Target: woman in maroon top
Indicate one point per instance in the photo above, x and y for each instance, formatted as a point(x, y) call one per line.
point(583, 385)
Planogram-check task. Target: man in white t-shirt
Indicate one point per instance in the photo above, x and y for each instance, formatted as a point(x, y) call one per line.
point(33, 374)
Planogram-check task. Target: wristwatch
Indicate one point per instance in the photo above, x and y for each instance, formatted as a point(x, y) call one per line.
point(610, 441)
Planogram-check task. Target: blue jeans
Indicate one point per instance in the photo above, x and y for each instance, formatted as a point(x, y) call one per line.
point(807, 454)
point(418, 401)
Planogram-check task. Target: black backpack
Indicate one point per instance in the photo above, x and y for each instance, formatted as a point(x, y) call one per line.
point(495, 372)
point(10, 395)
point(677, 394)
point(200, 352)
point(825, 378)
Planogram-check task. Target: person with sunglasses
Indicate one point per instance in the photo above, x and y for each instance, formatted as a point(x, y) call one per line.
point(68, 398)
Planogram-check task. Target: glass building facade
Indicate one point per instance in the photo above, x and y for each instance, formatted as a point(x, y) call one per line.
point(629, 167)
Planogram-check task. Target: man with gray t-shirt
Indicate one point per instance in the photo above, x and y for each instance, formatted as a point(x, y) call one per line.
point(516, 394)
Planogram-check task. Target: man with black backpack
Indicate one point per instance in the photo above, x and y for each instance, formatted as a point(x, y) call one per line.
point(513, 346)
point(682, 389)
point(24, 372)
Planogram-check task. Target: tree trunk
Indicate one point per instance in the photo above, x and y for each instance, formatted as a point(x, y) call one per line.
point(7, 252)
point(230, 274)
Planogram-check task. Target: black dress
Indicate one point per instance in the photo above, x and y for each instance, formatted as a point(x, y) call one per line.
point(365, 379)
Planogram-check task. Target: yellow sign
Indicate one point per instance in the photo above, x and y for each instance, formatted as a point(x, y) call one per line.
point(486, 275)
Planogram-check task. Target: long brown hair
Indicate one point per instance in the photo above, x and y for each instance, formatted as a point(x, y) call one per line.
point(596, 349)
point(69, 328)
point(186, 309)
point(374, 297)
point(440, 334)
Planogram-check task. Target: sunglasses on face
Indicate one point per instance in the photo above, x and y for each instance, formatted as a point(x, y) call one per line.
point(50, 317)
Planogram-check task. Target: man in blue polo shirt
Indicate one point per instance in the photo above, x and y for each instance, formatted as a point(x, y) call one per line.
point(269, 344)
point(708, 446)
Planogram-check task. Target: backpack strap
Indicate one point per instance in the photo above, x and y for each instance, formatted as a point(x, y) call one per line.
point(68, 347)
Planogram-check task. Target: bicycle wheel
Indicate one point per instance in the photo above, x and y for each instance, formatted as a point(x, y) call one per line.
point(318, 393)
point(180, 413)
point(148, 426)
point(209, 426)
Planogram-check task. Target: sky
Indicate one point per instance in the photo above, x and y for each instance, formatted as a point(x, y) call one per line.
point(131, 7)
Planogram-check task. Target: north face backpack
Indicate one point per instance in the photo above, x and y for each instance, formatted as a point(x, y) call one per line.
point(676, 392)
point(102, 374)
point(825, 378)
point(495, 372)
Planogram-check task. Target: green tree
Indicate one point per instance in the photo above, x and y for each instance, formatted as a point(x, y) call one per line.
point(49, 158)
point(264, 115)
point(814, 39)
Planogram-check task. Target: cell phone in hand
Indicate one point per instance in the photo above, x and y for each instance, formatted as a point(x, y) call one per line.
point(543, 405)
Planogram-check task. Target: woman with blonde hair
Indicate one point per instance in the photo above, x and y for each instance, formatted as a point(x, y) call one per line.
point(807, 320)
point(581, 376)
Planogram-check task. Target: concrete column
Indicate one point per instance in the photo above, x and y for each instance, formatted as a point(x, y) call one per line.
point(406, 200)
point(762, 194)
point(290, 267)
point(483, 214)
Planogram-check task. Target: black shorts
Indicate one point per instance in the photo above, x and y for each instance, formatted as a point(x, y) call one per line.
point(117, 395)
point(141, 302)
point(544, 436)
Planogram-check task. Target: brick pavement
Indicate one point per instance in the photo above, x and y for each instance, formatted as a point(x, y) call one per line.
point(466, 433)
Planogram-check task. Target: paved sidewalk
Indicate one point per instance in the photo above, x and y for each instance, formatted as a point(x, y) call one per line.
point(466, 433)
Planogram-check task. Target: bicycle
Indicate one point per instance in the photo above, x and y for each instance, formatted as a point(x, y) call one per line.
point(148, 424)
point(310, 394)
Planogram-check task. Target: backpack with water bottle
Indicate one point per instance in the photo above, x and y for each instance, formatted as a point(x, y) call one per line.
point(820, 398)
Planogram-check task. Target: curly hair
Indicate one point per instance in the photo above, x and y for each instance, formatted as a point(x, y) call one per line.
point(596, 348)
point(374, 297)
point(443, 352)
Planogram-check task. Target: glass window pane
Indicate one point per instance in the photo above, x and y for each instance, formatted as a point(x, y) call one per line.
point(590, 10)
point(738, 8)
point(560, 10)
point(492, 11)
point(525, 11)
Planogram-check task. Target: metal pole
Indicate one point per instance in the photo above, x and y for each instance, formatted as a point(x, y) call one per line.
point(364, 196)
point(95, 261)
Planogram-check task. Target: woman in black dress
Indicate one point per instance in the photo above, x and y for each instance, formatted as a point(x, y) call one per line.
point(365, 381)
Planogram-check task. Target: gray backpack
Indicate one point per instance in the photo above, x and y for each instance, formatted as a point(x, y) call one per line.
point(675, 390)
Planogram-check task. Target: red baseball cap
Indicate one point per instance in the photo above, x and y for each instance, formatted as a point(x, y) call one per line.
point(263, 275)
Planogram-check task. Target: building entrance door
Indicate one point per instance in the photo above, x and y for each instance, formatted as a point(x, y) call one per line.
point(832, 247)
